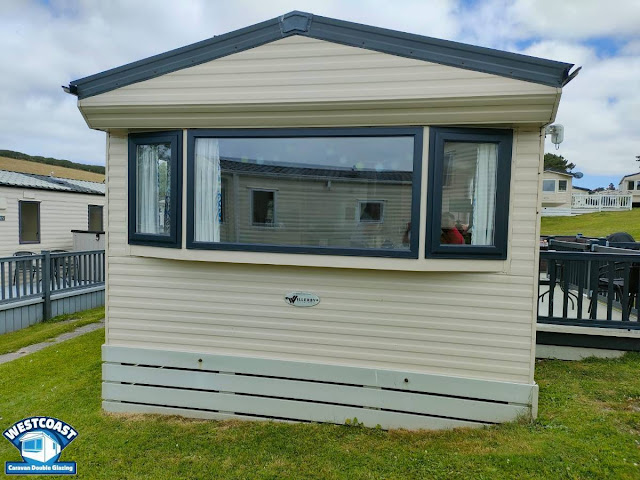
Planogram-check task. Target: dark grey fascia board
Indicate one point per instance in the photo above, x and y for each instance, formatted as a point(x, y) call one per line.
point(445, 52)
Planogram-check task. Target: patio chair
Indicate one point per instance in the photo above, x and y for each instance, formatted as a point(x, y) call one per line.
point(23, 266)
point(618, 282)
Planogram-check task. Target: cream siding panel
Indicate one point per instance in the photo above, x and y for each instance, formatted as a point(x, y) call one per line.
point(60, 212)
point(308, 82)
point(309, 70)
point(473, 324)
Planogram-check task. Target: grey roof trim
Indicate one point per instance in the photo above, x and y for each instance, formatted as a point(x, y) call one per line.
point(626, 176)
point(445, 52)
point(559, 172)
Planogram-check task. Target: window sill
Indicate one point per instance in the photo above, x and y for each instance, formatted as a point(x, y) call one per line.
point(324, 261)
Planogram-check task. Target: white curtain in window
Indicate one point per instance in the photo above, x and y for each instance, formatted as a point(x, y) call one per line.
point(484, 198)
point(148, 216)
point(208, 194)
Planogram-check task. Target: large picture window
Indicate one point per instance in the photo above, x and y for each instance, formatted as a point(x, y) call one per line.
point(154, 189)
point(335, 191)
point(468, 195)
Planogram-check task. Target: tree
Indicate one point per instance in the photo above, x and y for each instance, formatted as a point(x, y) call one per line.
point(558, 162)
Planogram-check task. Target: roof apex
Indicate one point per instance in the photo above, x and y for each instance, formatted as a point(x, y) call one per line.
point(445, 52)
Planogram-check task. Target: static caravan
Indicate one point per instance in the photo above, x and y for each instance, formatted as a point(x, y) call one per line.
point(316, 220)
point(630, 185)
point(39, 212)
point(557, 190)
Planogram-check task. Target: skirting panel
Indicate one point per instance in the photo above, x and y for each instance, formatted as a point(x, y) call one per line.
point(140, 380)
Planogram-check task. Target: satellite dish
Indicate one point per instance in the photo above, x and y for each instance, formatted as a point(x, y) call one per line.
point(578, 174)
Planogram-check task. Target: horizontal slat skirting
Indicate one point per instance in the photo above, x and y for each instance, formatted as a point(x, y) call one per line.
point(356, 396)
point(515, 393)
point(273, 407)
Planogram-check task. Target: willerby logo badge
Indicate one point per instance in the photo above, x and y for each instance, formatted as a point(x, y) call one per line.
point(301, 299)
point(40, 441)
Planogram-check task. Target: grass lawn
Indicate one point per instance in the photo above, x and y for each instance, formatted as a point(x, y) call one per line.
point(594, 224)
point(589, 427)
point(41, 332)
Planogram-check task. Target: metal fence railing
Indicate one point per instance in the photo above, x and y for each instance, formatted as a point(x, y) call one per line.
point(599, 288)
point(27, 275)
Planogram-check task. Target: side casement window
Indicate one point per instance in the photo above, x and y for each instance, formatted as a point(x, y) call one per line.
point(468, 193)
point(155, 170)
point(29, 222)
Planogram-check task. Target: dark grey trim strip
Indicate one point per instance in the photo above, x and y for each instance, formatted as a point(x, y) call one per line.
point(588, 341)
point(415, 132)
point(445, 52)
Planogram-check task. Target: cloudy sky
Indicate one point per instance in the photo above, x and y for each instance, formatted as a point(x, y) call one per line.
point(47, 43)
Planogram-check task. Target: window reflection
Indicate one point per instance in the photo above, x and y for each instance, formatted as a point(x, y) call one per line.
point(311, 191)
point(469, 193)
point(153, 189)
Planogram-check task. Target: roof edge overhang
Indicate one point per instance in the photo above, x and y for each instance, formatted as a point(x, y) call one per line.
point(445, 52)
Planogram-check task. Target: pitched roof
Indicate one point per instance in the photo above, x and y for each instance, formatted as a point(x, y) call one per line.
point(630, 175)
point(445, 52)
point(559, 172)
point(42, 182)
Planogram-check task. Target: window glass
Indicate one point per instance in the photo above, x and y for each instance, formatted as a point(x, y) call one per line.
point(34, 445)
point(549, 186)
point(263, 204)
point(29, 222)
point(469, 201)
point(630, 185)
point(153, 189)
point(316, 191)
point(370, 211)
point(562, 185)
point(95, 218)
point(638, 185)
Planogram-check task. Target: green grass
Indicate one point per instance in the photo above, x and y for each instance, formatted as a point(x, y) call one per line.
point(589, 427)
point(41, 332)
point(594, 224)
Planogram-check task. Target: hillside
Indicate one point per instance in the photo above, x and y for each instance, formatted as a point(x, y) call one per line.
point(594, 224)
point(27, 166)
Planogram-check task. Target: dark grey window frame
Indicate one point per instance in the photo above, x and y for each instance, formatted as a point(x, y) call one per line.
point(566, 185)
point(174, 239)
point(89, 207)
point(28, 242)
point(415, 132)
point(437, 138)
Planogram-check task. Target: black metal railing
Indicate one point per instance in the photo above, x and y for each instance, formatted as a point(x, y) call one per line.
point(599, 288)
point(27, 275)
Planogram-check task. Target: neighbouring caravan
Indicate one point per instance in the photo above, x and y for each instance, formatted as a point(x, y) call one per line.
point(630, 185)
point(316, 220)
point(557, 191)
point(39, 212)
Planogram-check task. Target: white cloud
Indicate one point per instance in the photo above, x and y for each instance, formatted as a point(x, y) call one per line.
point(47, 46)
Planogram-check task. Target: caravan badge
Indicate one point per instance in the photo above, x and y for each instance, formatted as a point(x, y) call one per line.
point(301, 299)
point(40, 441)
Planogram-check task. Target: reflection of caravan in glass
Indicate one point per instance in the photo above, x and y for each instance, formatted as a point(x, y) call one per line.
point(39, 446)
